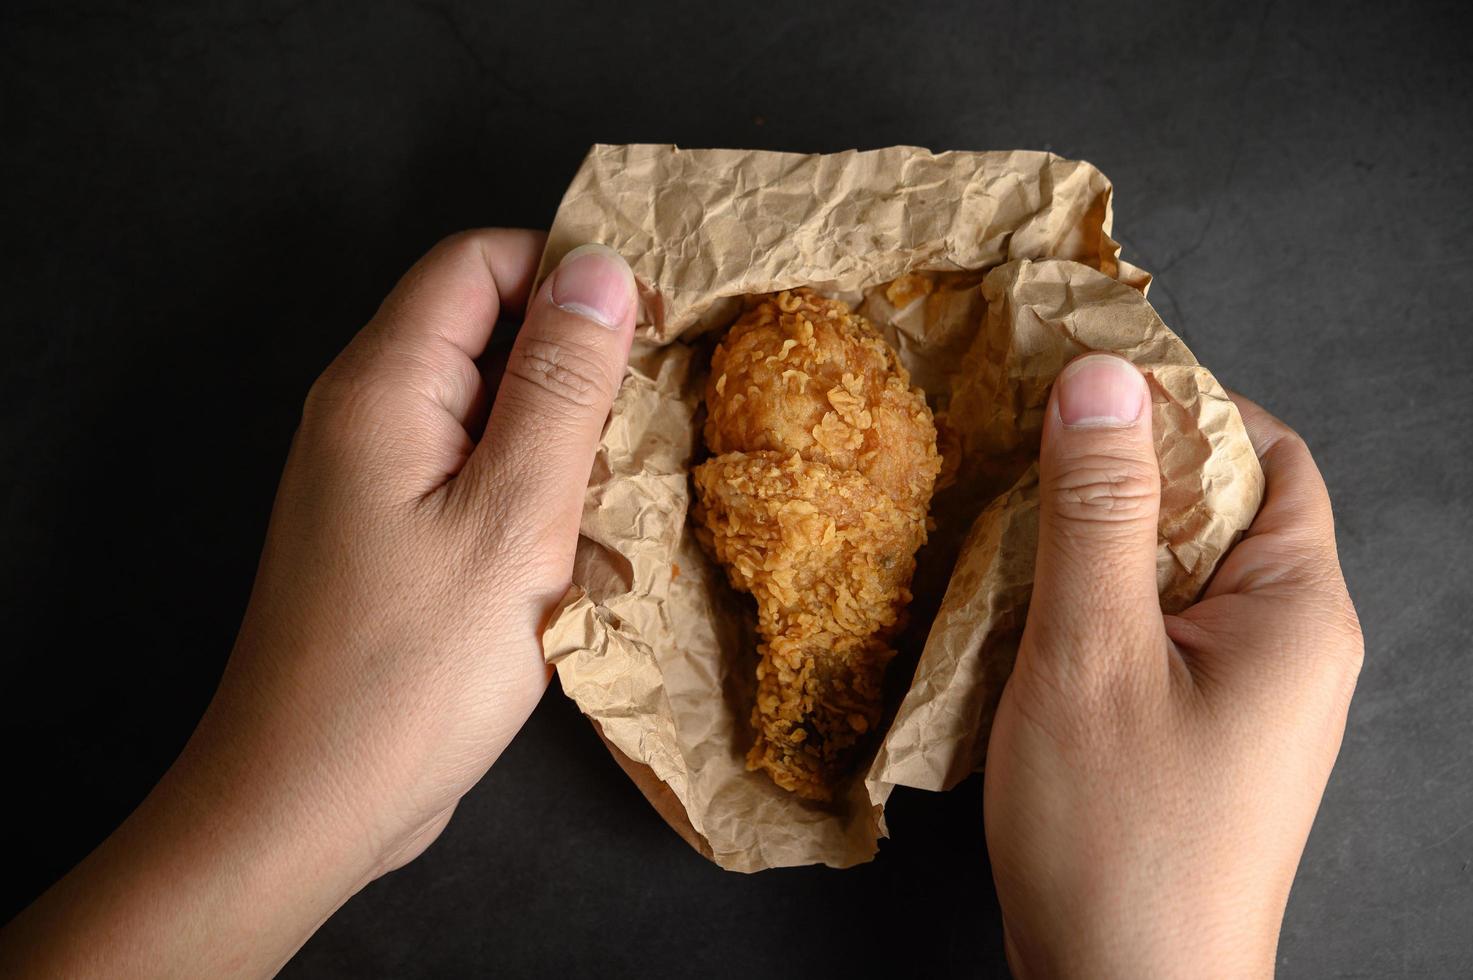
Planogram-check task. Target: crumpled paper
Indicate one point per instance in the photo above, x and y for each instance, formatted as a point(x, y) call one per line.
point(988, 272)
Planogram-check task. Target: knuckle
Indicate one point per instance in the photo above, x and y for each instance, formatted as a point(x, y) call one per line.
point(1292, 442)
point(1328, 644)
point(327, 396)
point(1103, 490)
point(344, 407)
point(568, 372)
point(1283, 435)
point(461, 244)
point(1355, 639)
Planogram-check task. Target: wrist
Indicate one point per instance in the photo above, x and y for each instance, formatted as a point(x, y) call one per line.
point(275, 814)
point(249, 852)
point(306, 777)
point(1185, 942)
point(219, 871)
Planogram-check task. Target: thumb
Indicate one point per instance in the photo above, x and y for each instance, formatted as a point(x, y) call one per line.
point(560, 381)
point(1094, 589)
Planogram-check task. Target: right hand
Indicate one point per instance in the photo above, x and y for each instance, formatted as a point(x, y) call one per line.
point(1151, 780)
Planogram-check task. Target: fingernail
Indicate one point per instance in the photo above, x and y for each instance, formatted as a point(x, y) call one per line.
point(593, 281)
point(1101, 390)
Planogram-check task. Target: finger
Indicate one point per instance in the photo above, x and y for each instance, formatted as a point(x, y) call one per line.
point(1293, 537)
point(1094, 591)
point(405, 396)
point(458, 289)
point(1282, 579)
point(555, 394)
point(428, 333)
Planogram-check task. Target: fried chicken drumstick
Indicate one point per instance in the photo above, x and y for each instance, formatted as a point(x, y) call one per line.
point(823, 459)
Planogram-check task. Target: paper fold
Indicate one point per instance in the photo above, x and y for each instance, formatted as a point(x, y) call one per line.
point(1006, 270)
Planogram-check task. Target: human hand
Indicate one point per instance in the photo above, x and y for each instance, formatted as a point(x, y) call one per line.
point(392, 644)
point(1151, 780)
point(391, 648)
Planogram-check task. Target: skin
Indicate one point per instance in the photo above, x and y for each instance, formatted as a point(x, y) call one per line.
point(390, 649)
point(1150, 780)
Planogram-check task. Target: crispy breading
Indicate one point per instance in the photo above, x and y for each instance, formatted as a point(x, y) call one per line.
point(823, 551)
point(800, 373)
point(815, 499)
point(816, 697)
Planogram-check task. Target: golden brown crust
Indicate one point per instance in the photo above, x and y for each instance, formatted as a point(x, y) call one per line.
point(815, 499)
point(800, 373)
point(823, 551)
point(816, 697)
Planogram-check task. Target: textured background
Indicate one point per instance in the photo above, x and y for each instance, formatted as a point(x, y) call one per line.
point(201, 204)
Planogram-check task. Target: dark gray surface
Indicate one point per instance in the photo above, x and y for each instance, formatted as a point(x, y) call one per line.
point(201, 204)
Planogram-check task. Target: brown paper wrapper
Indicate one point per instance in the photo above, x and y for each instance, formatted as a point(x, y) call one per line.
point(988, 272)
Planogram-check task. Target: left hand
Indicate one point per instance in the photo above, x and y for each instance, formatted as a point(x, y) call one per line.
point(412, 558)
point(391, 648)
